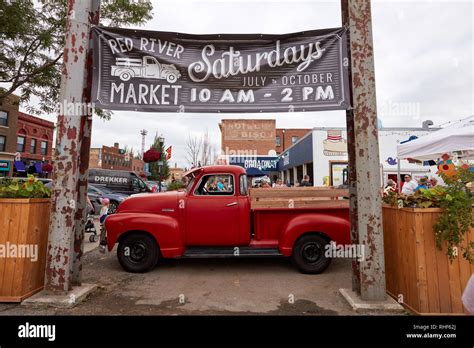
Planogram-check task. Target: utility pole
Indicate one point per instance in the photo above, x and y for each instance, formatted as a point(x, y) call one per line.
point(363, 148)
point(143, 133)
point(71, 157)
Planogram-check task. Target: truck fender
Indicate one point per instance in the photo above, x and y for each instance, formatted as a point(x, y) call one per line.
point(333, 227)
point(165, 230)
point(119, 71)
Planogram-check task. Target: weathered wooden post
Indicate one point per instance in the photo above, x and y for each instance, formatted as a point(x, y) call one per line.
point(66, 231)
point(363, 148)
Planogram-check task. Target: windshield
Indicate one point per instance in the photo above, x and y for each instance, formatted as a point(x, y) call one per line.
point(190, 179)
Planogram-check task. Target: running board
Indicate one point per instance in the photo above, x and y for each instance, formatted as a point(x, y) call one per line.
point(208, 252)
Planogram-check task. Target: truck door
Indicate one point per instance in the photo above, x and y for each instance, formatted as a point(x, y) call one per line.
point(212, 212)
point(152, 67)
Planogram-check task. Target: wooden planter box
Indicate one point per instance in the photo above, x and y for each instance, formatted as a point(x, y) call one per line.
point(416, 269)
point(23, 222)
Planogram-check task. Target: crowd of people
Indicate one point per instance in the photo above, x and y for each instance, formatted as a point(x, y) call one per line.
point(278, 183)
point(410, 185)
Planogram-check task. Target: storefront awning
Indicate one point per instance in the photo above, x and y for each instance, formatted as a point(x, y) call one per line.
point(19, 166)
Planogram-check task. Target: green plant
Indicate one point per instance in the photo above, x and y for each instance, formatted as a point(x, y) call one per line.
point(177, 185)
point(23, 188)
point(456, 218)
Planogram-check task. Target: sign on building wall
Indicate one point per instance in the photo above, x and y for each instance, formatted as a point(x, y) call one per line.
point(173, 72)
point(249, 130)
point(264, 163)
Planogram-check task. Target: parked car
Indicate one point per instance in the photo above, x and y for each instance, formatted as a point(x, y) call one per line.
point(213, 217)
point(118, 181)
point(155, 186)
point(96, 192)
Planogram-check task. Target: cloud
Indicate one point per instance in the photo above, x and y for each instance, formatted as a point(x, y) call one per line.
point(423, 55)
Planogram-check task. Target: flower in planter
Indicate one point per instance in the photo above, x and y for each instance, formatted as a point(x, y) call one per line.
point(21, 188)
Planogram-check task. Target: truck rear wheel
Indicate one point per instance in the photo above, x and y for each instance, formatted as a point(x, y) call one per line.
point(309, 254)
point(138, 253)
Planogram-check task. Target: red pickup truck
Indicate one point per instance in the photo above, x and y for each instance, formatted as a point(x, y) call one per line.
point(213, 217)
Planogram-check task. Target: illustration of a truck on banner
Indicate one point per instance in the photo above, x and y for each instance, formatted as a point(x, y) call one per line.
point(147, 67)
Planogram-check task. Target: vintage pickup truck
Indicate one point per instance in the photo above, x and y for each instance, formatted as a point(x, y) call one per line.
point(216, 217)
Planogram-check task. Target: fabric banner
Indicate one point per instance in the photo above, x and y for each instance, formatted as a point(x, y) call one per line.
point(173, 72)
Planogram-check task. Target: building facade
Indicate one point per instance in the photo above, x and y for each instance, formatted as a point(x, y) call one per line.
point(114, 158)
point(255, 144)
point(322, 154)
point(34, 145)
point(286, 137)
point(247, 137)
point(8, 125)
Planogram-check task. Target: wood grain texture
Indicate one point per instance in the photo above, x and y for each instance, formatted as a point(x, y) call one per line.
point(23, 222)
point(417, 269)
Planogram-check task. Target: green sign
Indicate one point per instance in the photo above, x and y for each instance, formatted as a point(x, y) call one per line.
point(4, 166)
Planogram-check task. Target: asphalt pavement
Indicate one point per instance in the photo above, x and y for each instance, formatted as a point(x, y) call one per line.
point(207, 287)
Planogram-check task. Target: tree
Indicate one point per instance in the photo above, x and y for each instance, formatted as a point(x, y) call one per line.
point(200, 151)
point(207, 150)
point(32, 43)
point(156, 173)
point(193, 150)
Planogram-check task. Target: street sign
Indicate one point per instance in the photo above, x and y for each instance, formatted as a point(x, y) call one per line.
point(173, 72)
point(4, 166)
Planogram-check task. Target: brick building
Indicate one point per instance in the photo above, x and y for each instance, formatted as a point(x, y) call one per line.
point(286, 137)
point(8, 122)
point(115, 158)
point(247, 137)
point(34, 143)
point(256, 137)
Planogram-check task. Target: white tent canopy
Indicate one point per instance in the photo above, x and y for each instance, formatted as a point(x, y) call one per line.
point(458, 137)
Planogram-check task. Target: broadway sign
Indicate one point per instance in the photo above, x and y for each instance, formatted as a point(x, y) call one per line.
point(173, 72)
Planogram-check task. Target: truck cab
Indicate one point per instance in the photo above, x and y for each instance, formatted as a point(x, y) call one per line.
point(213, 217)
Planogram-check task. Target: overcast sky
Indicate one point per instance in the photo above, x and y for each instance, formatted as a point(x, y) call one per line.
point(423, 63)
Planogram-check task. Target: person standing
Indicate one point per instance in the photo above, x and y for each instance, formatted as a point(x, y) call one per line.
point(391, 187)
point(433, 182)
point(410, 185)
point(422, 184)
point(305, 181)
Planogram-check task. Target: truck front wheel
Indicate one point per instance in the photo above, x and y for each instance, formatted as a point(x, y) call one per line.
point(309, 254)
point(138, 253)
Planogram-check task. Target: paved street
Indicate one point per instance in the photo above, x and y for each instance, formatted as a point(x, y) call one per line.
point(207, 287)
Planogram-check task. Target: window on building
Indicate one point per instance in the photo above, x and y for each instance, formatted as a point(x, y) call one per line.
point(3, 141)
point(33, 146)
point(44, 147)
point(278, 140)
point(20, 144)
point(294, 140)
point(3, 118)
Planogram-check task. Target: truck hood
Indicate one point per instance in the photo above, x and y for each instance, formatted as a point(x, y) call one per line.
point(151, 202)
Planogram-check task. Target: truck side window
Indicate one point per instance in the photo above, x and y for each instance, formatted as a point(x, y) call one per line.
point(216, 185)
point(243, 185)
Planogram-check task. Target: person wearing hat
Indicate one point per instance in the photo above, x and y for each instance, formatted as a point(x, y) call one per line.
point(422, 183)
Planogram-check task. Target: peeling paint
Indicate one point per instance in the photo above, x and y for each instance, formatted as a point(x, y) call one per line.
point(66, 231)
point(364, 175)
